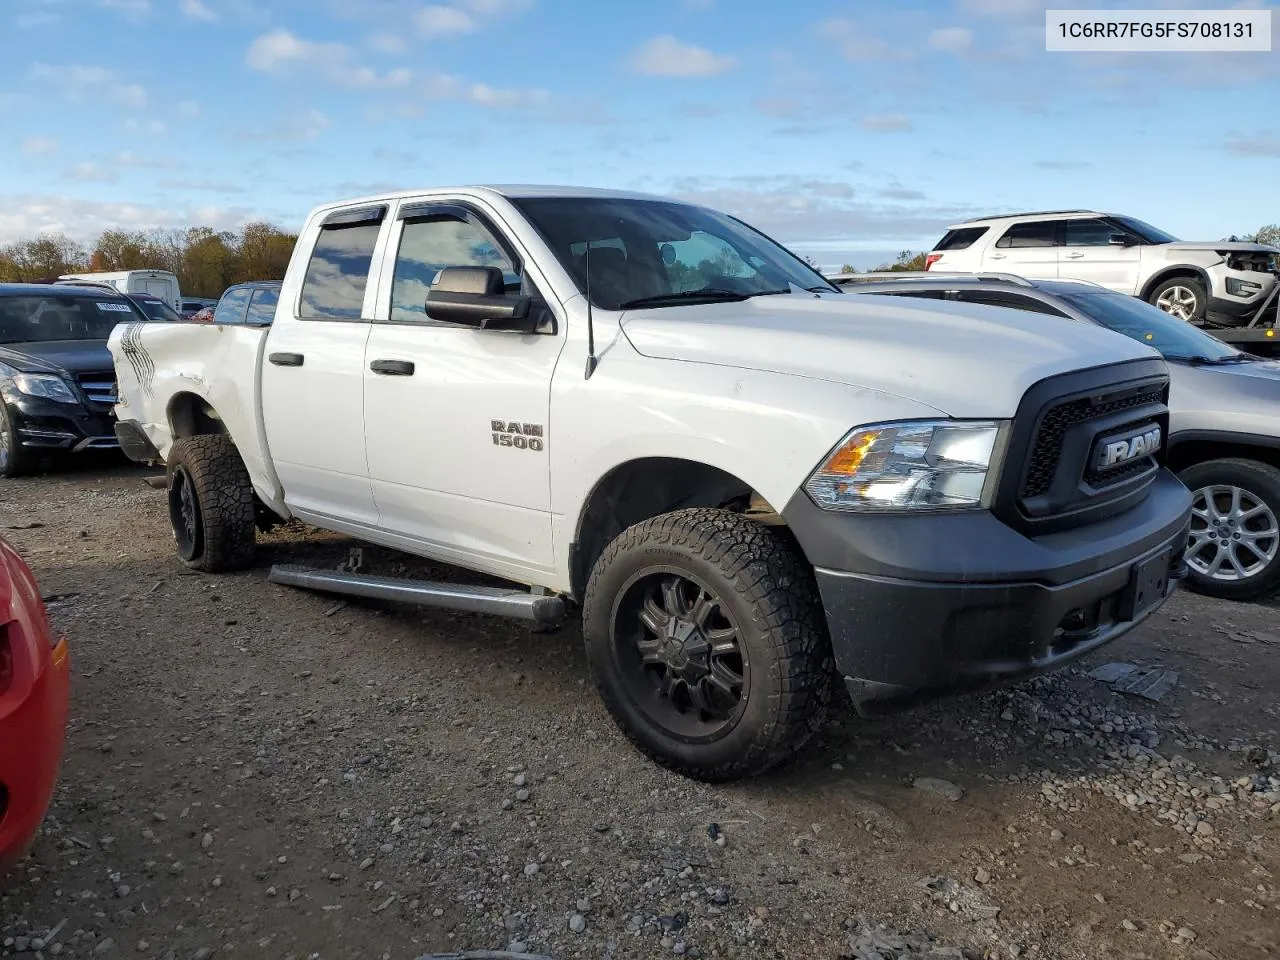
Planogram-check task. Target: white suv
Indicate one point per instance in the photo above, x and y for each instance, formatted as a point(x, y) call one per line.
point(1223, 282)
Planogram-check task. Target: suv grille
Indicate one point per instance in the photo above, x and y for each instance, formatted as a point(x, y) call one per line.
point(1046, 453)
point(99, 387)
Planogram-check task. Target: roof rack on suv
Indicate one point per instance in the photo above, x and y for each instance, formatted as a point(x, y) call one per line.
point(1028, 213)
point(929, 275)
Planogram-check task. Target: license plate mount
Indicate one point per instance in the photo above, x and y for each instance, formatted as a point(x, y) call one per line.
point(1148, 583)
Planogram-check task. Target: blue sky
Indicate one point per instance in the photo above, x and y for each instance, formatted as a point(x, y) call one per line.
point(846, 129)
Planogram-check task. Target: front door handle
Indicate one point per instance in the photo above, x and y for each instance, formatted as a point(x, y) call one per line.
point(997, 256)
point(1074, 256)
point(393, 368)
point(286, 359)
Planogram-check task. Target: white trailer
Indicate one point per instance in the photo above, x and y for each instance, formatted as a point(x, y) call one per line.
point(158, 283)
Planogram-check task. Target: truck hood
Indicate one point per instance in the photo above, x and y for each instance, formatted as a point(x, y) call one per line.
point(1233, 246)
point(964, 360)
point(57, 356)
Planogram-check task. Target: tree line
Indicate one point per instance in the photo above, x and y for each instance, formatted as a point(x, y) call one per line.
point(206, 261)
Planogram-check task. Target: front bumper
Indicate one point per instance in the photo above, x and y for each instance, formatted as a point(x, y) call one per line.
point(1232, 309)
point(32, 734)
point(47, 425)
point(919, 606)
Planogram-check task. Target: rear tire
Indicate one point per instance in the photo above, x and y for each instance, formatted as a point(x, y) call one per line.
point(15, 459)
point(1183, 297)
point(211, 504)
point(1236, 525)
point(706, 637)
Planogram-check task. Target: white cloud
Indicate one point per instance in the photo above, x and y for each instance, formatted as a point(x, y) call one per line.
point(92, 173)
point(39, 146)
point(155, 128)
point(391, 43)
point(189, 109)
point(280, 51)
point(886, 123)
point(26, 215)
point(858, 44)
point(210, 186)
point(290, 125)
point(1262, 145)
point(197, 10)
point(665, 56)
point(951, 39)
point(438, 21)
point(91, 85)
point(445, 87)
point(498, 8)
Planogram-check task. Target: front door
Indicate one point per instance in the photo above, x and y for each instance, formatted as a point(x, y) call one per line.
point(1087, 253)
point(313, 377)
point(456, 418)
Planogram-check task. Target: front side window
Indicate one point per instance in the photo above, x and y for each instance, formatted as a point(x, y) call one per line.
point(1146, 231)
point(429, 245)
point(37, 319)
point(262, 308)
point(1038, 234)
point(333, 288)
point(231, 307)
point(1088, 233)
point(655, 253)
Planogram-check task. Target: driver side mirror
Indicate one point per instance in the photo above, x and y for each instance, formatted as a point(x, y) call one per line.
point(476, 297)
point(1120, 240)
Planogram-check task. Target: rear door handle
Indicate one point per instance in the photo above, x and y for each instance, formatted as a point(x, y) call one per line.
point(1074, 256)
point(393, 368)
point(997, 256)
point(286, 359)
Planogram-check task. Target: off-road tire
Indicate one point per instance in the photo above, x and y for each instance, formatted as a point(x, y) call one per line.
point(1262, 481)
point(1193, 284)
point(224, 500)
point(769, 588)
point(20, 461)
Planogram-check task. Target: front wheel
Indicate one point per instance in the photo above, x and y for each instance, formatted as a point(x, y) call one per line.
point(15, 459)
point(1183, 297)
point(705, 634)
point(211, 504)
point(1234, 551)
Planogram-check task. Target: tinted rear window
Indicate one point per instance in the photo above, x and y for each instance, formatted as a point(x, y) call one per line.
point(37, 318)
point(959, 239)
point(1038, 234)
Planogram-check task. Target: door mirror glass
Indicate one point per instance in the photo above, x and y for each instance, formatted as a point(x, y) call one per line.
point(476, 297)
point(1120, 240)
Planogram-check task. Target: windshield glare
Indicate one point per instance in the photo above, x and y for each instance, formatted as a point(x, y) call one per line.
point(651, 248)
point(159, 310)
point(1146, 231)
point(1174, 338)
point(41, 318)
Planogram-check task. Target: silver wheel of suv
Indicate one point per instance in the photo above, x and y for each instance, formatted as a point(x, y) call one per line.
point(1234, 534)
point(1180, 302)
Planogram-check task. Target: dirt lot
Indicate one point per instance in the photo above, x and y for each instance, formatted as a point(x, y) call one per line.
point(254, 771)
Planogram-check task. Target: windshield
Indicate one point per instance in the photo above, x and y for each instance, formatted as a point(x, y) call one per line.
point(1140, 321)
point(1146, 231)
point(158, 310)
point(40, 318)
point(657, 253)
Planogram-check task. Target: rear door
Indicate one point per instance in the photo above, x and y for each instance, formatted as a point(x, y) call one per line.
point(1026, 249)
point(313, 374)
point(456, 418)
point(1087, 253)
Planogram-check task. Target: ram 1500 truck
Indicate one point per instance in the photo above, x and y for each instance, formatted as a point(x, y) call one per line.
point(752, 484)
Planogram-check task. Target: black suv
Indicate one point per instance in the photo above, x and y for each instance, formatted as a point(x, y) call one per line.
point(57, 380)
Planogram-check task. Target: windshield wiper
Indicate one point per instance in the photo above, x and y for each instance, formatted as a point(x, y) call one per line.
point(713, 294)
point(1218, 361)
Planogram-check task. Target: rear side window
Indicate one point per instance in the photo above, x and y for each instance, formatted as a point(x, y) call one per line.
point(338, 273)
point(262, 308)
point(1038, 234)
point(961, 238)
point(232, 306)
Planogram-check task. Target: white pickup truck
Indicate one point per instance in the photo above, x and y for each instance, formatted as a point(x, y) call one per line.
point(752, 483)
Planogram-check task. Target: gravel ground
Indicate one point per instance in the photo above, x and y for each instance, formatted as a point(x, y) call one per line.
point(255, 771)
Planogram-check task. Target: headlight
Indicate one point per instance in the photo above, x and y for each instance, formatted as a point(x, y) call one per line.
point(910, 465)
point(44, 385)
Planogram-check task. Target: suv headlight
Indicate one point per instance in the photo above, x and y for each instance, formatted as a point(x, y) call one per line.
point(45, 385)
point(909, 465)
